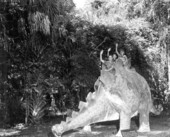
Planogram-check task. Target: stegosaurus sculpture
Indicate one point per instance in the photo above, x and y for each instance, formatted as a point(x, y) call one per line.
point(120, 93)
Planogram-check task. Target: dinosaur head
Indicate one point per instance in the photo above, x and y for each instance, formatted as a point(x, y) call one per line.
point(58, 129)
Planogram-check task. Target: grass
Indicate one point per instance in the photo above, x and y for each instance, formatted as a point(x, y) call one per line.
point(160, 127)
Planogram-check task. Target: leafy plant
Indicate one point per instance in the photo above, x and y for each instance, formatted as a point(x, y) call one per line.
point(35, 107)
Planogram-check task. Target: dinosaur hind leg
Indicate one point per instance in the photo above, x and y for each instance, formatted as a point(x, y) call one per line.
point(144, 125)
point(144, 122)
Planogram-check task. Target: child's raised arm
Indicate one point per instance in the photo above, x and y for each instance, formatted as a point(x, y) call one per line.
point(101, 59)
point(117, 50)
point(108, 51)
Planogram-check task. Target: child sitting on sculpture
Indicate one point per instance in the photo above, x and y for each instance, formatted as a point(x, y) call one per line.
point(126, 62)
point(113, 57)
point(107, 64)
point(122, 55)
point(121, 59)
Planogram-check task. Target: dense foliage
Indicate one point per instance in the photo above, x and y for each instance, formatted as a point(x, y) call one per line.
point(52, 51)
point(142, 27)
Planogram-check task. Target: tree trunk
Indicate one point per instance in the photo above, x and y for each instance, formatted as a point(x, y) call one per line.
point(166, 42)
point(168, 61)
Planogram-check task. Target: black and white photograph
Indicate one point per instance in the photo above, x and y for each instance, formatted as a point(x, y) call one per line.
point(84, 68)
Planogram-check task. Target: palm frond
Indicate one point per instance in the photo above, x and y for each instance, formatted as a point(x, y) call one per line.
point(36, 106)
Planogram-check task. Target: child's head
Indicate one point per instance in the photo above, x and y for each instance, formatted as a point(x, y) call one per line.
point(110, 58)
point(122, 52)
point(114, 56)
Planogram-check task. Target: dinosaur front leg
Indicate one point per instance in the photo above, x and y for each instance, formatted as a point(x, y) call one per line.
point(124, 112)
point(125, 120)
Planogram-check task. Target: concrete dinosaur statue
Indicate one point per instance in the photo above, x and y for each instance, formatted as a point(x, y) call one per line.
point(120, 93)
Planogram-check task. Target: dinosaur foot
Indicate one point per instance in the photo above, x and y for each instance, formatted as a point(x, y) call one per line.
point(119, 134)
point(58, 129)
point(87, 128)
point(144, 128)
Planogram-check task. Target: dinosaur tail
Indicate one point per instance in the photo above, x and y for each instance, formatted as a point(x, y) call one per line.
point(153, 109)
point(156, 110)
